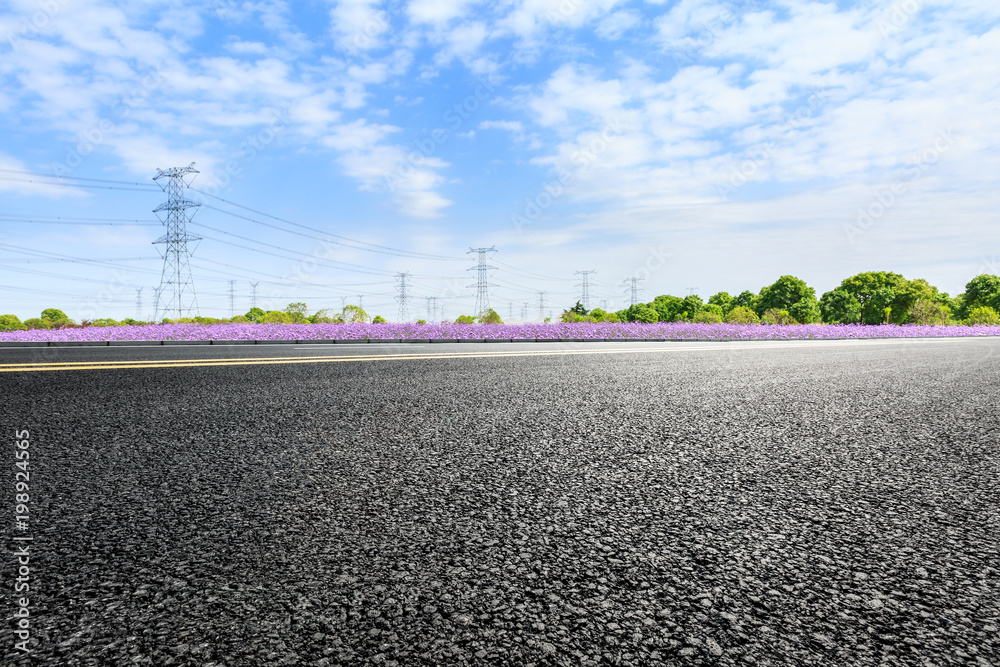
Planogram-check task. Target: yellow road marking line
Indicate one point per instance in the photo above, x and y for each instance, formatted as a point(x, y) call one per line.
point(250, 361)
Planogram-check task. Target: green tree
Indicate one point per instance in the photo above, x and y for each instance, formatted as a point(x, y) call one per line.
point(742, 315)
point(644, 313)
point(983, 290)
point(709, 316)
point(239, 319)
point(925, 311)
point(579, 309)
point(570, 317)
point(692, 306)
point(723, 300)
point(839, 307)
point(378, 319)
point(277, 317)
point(101, 322)
point(489, 316)
point(11, 323)
point(747, 299)
point(353, 315)
point(255, 314)
point(791, 294)
point(978, 315)
point(669, 308)
point(873, 290)
point(777, 316)
point(297, 312)
point(54, 315)
point(465, 319)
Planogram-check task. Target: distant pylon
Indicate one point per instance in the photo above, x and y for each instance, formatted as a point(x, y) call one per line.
point(541, 305)
point(176, 282)
point(692, 290)
point(482, 285)
point(253, 294)
point(524, 311)
point(432, 308)
point(156, 300)
point(404, 313)
point(585, 285)
point(232, 298)
point(138, 303)
point(633, 290)
point(361, 301)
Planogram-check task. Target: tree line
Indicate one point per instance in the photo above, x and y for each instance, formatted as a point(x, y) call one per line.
point(874, 297)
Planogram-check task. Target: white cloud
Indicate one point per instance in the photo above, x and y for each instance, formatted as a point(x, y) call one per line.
point(358, 25)
point(437, 11)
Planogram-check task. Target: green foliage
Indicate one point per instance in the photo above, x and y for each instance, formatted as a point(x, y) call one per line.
point(255, 314)
point(723, 300)
point(709, 316)
point(692, 306)
point(102, 322)
point(421, 321)
point(465, 319)
point(777, 316)
point(925, 312)
point(54, 315)
point(489, 316)
point(378, 319)
point(643, 313)
point(323, 317)
point(874, 291)
point(570, 317)
point(239, 319)
point(37, 323)
point(983, 290)
point(668, 308)
point(128, 321)
point(11, 323)
point(839, 307)
point(354, 315)
point(277, 317)
point(742, 315)
point(747, 299)
point(791, 294)
point(978, 315)
point(297, 307)
point(578, 309)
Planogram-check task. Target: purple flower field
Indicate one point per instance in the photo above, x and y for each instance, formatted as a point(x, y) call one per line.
point(587, 331)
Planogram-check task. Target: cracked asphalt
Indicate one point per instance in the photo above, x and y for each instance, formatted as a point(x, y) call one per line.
point(745, 504)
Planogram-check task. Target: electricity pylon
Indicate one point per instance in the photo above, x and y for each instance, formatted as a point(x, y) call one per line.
point(482, 285)
point(585, 285)
point(176, 282)
point(404, 312)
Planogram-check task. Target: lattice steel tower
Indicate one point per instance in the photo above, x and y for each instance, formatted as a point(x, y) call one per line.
point(482, 285)
point(585, 287)
point(404, 312)
point(138, 303)
point(176, 292)
point(541, 305)
point(633, 291)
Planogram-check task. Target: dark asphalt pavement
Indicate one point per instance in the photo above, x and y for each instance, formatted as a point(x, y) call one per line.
point(829, 503)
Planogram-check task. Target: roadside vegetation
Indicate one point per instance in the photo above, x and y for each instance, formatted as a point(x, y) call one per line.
point(871, 298)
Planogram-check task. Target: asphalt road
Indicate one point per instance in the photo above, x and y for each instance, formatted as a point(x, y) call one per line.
point(829, 503)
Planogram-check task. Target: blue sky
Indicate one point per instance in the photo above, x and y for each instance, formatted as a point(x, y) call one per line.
point(695, 144)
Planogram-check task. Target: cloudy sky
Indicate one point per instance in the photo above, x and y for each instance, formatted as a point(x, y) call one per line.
point(694, 144)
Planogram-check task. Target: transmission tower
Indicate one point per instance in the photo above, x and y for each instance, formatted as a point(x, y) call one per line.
point(482, 285)
point(431, 308)
point(692, 290)
point(253, 294)
point(585, 286)
point(361, 301)
point(633, 290)
point(138, 303)
point(176, 282)
point(232, 298)
point(156, 300)
point(541, 305)
point(524, 311)
point(404, 313)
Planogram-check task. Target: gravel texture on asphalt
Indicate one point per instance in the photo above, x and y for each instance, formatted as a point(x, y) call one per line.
point(825, 505)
